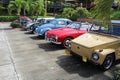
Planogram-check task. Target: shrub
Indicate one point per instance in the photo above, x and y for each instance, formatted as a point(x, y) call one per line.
point(82, 12)
point(73, 14)
point(69, 13)
point(15, 24)
point(7, 18)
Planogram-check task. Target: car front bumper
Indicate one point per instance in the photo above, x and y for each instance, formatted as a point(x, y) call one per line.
point(52, 40)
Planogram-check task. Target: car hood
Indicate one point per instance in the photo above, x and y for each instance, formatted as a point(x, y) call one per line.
point(90, 39)
point(61, 31)
point(46, 25)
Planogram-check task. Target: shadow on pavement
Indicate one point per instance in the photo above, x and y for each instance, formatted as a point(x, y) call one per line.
point(76, 66)
point(50, 46)
point(117, 62)
point(37, 37)
point(29, 32)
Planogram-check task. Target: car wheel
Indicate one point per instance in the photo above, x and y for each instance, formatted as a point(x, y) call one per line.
point(66, 42)
point(108, 62)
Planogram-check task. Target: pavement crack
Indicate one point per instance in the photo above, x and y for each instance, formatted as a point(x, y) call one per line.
point(10, 54)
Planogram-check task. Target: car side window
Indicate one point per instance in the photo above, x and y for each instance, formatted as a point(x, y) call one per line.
point(61, 22)
point(77, 26)
point(68, 22)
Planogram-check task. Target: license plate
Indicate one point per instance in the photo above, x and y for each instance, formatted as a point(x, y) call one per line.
point(84, 59)
point(67, 52)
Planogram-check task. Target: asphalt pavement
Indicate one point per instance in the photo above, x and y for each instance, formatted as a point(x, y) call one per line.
point(25, 56)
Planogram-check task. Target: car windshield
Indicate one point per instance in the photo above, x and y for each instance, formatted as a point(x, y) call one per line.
point(85, 26)
point(79, 26)
point(74, 25)
point(112, 30)
point(39, 21)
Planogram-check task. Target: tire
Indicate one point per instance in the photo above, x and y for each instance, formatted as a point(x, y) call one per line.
point(66, 42)
point(108, 62)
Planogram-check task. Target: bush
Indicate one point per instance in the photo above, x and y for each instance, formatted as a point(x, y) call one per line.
point(82, 12)
point(115, 15)
point(7, 18)
point(69, 13)
point(73, 14)
point(16, 25)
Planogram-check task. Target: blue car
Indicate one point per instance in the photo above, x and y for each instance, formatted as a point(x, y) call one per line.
point(39, 23)
point(54, 24)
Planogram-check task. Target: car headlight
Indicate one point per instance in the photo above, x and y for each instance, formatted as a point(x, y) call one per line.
point(41, 30)
point(55, 37)
point(95, 56)
point(36, 29)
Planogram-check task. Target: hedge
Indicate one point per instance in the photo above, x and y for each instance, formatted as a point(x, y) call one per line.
point(12, 18)
point(7, 18)
point(15, 25)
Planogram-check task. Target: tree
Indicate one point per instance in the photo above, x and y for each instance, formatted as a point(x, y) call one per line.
point(68, 12)
point(36, 8)
point(25, 6)
point(32, 7)
point(103, 10)
point(15, 5)
point(39, 7)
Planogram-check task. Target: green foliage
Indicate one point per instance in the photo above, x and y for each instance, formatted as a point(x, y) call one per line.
point(32, 17)
point(58, 16)
point(82, 12)
point(73, 14)
point(68, 13)
point(7, 18)
point(67, 4)
point(102, 10)
point(15, 25)
point(3, 11)
point(115, 15)
point(15, 6)
point(12, 18)
point(26, 7)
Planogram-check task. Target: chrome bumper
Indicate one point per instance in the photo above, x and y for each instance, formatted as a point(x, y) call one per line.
point(51, 40)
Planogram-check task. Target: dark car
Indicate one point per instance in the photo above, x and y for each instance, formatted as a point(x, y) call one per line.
point(23, 20)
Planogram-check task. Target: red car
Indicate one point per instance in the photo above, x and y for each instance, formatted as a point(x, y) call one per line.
point(64, 35)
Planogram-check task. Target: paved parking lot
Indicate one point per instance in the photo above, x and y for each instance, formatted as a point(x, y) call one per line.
point(25, 56)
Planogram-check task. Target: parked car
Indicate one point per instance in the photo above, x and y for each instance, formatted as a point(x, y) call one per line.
point(32, 23)
point(100, 46)
point(39, 23)
point(54, 24)
point(24, 20)
point(70, 32)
